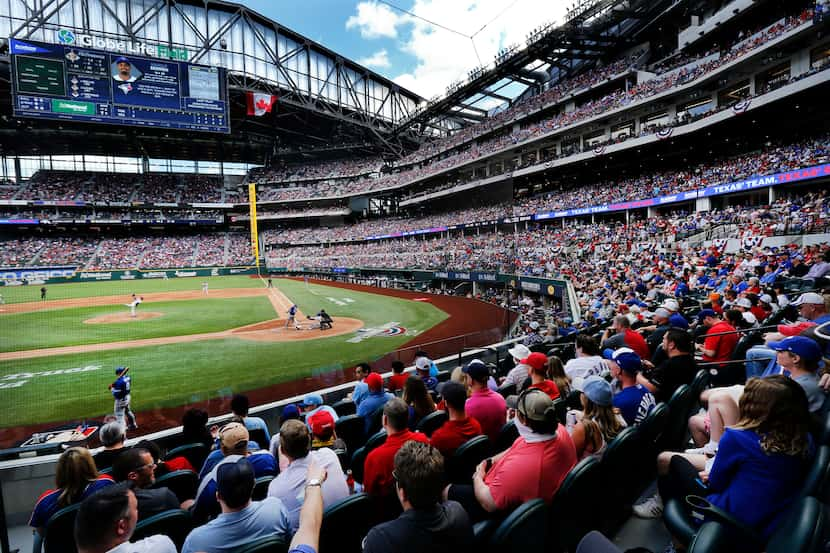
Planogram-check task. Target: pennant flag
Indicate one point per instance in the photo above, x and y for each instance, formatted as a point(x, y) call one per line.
point(741, 106)
point(260, 104)
point(599, 150)
point(665, 133)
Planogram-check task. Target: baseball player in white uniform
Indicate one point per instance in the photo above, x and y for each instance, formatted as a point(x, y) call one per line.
point(133, 304)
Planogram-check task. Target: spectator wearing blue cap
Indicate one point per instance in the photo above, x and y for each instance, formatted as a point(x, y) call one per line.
point(484, 405)
point(241, 520)
point(634, 400)
point(800, 356)
point(598, 423)
point(313, 403)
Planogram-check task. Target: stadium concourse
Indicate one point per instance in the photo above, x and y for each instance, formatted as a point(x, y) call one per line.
point(645, 224)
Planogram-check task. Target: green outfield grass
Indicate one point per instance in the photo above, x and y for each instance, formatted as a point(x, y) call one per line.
point(165, 376)
point(73, 290)
point(65, 327)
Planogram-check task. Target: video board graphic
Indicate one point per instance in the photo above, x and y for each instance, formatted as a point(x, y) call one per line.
point(67, 82)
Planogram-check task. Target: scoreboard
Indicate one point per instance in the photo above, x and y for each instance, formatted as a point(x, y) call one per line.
point(67, 82)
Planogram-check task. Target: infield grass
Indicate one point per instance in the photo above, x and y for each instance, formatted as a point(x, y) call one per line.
point(177, 374)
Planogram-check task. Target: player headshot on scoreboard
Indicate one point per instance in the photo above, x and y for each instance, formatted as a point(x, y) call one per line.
point(123, 70)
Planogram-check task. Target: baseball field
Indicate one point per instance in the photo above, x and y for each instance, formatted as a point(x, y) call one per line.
point(57, 356)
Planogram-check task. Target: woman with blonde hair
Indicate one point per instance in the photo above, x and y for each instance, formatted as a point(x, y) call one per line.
point(761, 461)
point(75, 478)
point(556, 372)
point(598, 423)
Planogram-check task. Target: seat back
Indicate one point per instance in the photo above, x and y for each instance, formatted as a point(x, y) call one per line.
point(345, 524)
point(654, 424)
point(463, 463)
point(352, 430)
point(674, 438)
point(432, 422)
point(183, 483)
point(560, 406)
point(817, 482)
point(507, 435)
point(258, 435)
point(507, 390)
point(376, 421)
point(377, 439)
point(195, 453)
point(261, 487)
point(621, 481)
point(805, 529)
point(175, 524)
point(357, 462)
point(268, 544)
point(525, 529)
point(344, 407)
point(60, 531)
point(575, 497)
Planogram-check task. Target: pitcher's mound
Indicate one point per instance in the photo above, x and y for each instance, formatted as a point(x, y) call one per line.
point(123, 318)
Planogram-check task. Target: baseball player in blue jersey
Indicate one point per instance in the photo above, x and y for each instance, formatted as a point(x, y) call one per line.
point(121, 392)
point(292, 318)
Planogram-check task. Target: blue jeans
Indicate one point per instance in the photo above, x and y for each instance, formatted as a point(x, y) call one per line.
point(758, 357)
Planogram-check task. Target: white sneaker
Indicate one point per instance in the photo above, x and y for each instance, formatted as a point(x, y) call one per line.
point(710, 449)
point(650, 508)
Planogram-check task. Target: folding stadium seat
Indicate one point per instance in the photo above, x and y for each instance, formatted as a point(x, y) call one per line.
point(183, 483)
point(344, 407)
point(258, 435)
point(507, 435)
point(432, 422)
point(817, 481)
point(345, 524)
point(622, 476)
point(674, 438)
point(700, 383)
point(175, 523)
point(462, 464)
point(195, 453)
point(573, 509)
point(652, 429)
point(376, 439)
point(59, 536)
point(261, 487)
point(268, 544)
point(561, 407)
point(359, 456)
point(352, 430)
point(524, 530)
point(377, 421)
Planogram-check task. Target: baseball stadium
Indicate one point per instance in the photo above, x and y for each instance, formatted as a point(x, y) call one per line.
point(369, 275)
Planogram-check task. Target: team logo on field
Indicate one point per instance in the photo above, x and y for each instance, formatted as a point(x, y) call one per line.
point(388, 329)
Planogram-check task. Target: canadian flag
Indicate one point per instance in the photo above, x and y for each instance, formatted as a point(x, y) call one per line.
point(260, 104)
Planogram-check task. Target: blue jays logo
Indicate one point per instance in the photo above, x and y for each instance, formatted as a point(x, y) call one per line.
point(65, 36)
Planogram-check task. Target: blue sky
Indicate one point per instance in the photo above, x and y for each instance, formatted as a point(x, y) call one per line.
point(414, 53)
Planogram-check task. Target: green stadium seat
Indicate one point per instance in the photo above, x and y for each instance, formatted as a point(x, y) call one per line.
point(175, 524)
point(59, 535)
point(344, 407)
point(507, 435)
point(261, 487)
point(576, 496)
point(195, 453)
point(183, 483)
point(620, 465)
point(524, 530)
point(675, 436)
point(345, 524)
point(432, 422)
point(268, 544)
point(352, 430)
point(463, 463)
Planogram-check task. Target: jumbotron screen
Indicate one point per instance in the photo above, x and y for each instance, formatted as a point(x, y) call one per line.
point(67, 82)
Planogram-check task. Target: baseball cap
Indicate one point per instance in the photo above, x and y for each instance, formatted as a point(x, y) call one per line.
point(671, 305)
point(374, 381)
point(627, 360)
point(290, 411)
point(597, 390)
point(234, 436)
point(809, 298)
point(536, 360)
point(476, 369)
point(662, 312)
point(519, 352)
point(534, 405)
point(235, 479)
point(534, 325)
point(744, 302)
point(799, 345)
point(122, 59)
point(608, 353)
point(321, 421)
point(119, 370)
point(313, 400)
point(705, 313)
point(766, 298)
point(749, 317)
point(423, 363)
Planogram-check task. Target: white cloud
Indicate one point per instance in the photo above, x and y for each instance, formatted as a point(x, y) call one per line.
point(443, 57)
point(378, 59)
point(375, 20)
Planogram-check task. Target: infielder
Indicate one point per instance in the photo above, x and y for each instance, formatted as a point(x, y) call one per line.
point(121, 392)
point(205, 288)
point(133, 304)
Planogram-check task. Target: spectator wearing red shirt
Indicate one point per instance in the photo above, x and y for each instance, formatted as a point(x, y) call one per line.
point(533, 467)
point(377, 470)
point(717, 346)
point(623, 336)
point(459, 428)
point(398, 379)
point(538, 363)
point(484, 405)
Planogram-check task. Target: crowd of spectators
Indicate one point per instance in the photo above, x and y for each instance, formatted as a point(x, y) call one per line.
point(341, 168)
